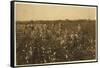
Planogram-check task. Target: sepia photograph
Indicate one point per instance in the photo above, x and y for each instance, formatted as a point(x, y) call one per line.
point(51, 33)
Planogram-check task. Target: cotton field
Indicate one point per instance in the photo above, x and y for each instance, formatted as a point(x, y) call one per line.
point(40, 41)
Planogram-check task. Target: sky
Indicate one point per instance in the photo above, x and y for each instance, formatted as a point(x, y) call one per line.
point(36, 11)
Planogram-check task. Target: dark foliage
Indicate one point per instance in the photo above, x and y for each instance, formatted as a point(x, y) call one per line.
point(54, 41)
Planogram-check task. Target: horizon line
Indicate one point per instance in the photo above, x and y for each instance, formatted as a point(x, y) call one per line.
point(56, 19)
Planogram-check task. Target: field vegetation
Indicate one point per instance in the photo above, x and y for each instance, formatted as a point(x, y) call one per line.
point(50, 41)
